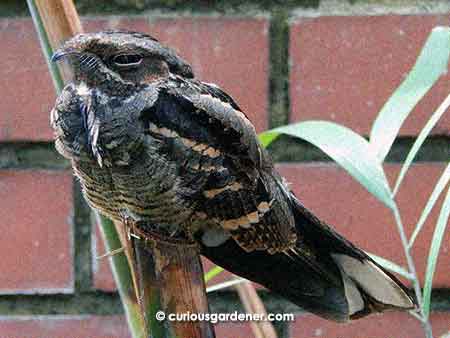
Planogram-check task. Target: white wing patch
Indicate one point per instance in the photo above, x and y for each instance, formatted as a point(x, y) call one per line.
point(373, 280)
point(352, 294)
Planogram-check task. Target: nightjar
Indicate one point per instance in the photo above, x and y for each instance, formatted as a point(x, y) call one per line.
point(177, 156)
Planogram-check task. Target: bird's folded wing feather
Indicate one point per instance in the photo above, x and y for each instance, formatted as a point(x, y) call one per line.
point(220, 150)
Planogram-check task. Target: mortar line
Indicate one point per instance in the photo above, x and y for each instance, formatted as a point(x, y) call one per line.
point(278, 95)
point(346, 8)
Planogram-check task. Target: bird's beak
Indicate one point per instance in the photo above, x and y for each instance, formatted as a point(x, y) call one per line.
point(61, 53)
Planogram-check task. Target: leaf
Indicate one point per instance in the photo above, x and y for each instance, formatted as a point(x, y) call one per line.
point(385, 263)
point(430, 65)
point(213, 273)
point(225, 285)
point(436, 242)
point(122, 275)
point(421, 139)
point(267, 138)
point(439, 187)
point(347, 148)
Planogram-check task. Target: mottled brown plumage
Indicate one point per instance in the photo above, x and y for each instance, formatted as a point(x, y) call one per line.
point(179, 158)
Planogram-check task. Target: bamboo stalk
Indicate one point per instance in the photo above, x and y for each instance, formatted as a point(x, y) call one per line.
point(123, 277)
point(412, 270)
point(60, 21)
point(171, 282)
point(45, 46)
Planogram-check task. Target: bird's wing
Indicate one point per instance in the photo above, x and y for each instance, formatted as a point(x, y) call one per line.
point(275, 235)
point(219, 150)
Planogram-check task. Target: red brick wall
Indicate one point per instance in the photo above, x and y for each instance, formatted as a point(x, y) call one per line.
point(342, 68)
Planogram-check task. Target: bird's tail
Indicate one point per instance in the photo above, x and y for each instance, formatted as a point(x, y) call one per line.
point(324, 274)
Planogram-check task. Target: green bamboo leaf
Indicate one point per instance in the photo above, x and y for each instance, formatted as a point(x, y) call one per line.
point(421, 139)
point(225, 285)
point(122, 275)
point(436, 242)
point(213, 272)
point(439, 187)
point(430, 65)
point(385, 263)
point(347, 148)
point(267, 138)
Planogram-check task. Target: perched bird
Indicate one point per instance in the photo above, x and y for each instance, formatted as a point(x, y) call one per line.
point(178, 157)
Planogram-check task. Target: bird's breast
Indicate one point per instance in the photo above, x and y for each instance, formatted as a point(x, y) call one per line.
point(147, 191)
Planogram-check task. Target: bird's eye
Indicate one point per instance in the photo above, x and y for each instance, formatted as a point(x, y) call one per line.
point(127, 60)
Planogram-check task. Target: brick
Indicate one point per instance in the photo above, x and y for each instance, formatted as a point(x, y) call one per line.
point(336, 198)
point(233, 330)
point(64, 326)
point(28, 94)
point(36, 217)
point(231, 52)
point(389, 324)
point(345, 68)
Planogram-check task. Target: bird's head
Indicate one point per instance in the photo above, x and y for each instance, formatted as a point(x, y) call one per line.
point(120, 56)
